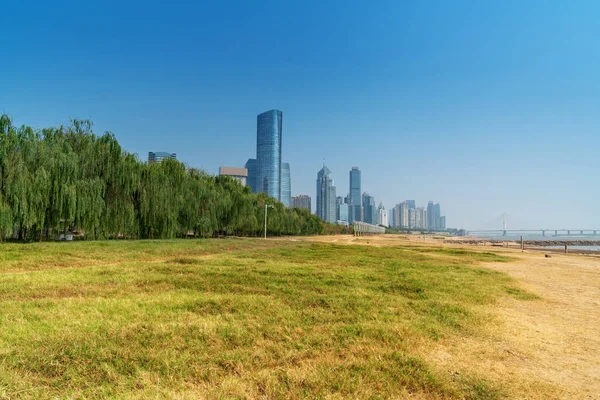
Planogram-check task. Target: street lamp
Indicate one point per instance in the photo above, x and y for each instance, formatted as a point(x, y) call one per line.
point(266, 206)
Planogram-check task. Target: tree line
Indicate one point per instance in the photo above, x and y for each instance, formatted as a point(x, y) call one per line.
point(67, 179)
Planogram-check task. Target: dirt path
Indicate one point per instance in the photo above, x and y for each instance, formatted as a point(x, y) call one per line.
point(546, 348)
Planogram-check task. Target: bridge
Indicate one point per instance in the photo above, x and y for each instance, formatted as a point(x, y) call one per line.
point(541, 232)
point(514, 232)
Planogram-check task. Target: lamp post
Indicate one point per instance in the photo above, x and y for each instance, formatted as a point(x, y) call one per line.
point(266, 207)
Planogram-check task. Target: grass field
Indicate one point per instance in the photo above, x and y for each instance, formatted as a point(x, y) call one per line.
point(240, 318)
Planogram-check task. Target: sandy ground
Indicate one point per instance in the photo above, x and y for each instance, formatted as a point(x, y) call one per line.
point(546, 348)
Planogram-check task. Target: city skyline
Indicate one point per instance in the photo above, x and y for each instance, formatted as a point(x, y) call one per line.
point(497, 116)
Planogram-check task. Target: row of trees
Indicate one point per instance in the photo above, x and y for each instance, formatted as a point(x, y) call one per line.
point(68, 179)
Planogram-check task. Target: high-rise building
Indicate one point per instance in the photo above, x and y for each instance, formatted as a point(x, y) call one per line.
point(382, 215)
point(158, 156)
point(342, 212)
point(301, 201)
point(404, 207)
point(430, 215)
point(394, 216)
point(338, 200)
point(252, 167)
point(437, 217)
point(268, 153)
point(240, 174)
point(286, 184)
point(442, 223)
point(355, 196)
point(369, 208)
point(411, 204)
point(417, 218)
point(326, 198)
point(434, 217)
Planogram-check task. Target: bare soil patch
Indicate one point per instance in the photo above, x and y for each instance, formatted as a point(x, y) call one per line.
point(547, 348)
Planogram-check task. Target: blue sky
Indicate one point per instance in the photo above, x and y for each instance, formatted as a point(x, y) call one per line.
point(485, 106)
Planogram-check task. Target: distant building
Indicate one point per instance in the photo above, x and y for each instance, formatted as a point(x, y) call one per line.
point(343, 209)
point(252, 167)
point(326, 198)
point(430, 215)
point(301, 201)
point(158, 156)
point(394, 216)
point(382, 215)
point(411, 204)
point(369, 208)
point(268, 153)
point(338, 200)
point(434, 218)
point(355, 196)
point(399, 217)
point(417, 218)
point(240, 174)
point(286, 185)
point(403, 214)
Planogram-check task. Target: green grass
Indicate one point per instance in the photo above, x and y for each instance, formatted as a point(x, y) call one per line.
point(238, 318)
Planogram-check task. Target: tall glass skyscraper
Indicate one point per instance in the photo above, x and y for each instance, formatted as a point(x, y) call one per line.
point(326, 199)
point(252, 167)
point(355, 196)
point(268, 153)
point(370, 212)
point(286, 184)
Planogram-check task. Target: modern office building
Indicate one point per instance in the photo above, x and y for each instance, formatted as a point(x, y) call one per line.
point(286, 185)
point(355, 196)
point(411, 204)
point(158, 156)
point(240, 174)
point(338, 200)
point(301, 201)
point(369, 209)
point(268, 153)
point(252, 168)
point(342, 212)
point(326, 198)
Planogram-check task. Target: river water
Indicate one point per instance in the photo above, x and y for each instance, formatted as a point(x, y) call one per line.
point(562, 238)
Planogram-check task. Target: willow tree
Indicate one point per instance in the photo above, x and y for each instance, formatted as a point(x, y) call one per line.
point(68, 179)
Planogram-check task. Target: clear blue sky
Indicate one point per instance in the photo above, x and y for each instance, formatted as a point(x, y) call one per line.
point(484, 106)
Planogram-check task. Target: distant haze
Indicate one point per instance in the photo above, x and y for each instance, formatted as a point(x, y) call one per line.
point(484, 107)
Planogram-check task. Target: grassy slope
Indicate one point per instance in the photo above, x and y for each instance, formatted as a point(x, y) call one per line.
point(237, 318)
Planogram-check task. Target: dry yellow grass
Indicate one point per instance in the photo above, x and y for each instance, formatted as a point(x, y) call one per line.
point(327, 317)
point(548, 348)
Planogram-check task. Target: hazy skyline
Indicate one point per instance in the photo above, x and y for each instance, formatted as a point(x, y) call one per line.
point(484, 107)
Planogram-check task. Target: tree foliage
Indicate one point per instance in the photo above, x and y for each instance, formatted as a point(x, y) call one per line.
point(67, 179)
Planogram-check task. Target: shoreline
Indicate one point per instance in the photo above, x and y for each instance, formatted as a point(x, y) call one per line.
point(551, 246)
